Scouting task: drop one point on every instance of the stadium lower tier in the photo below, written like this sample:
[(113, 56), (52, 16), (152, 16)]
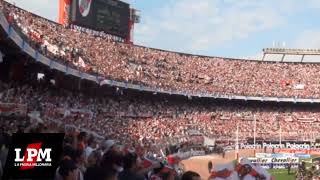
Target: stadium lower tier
[(156, 121), (163, 70)]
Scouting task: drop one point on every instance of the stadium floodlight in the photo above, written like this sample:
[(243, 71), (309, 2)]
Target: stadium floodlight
[(135, 15)]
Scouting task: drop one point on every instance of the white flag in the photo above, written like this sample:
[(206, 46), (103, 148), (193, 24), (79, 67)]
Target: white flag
[(81, 62), (299, 86)]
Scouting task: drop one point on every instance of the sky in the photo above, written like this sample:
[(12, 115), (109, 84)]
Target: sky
[(228, 28)]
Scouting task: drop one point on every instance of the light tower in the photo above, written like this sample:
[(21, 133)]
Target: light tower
[(134, 18), (64, 10)]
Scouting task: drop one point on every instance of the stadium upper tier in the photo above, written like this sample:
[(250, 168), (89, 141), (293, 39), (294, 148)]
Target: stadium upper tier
[(137, 67)]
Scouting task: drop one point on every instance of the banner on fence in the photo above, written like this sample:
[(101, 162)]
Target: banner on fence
[(275, 162), (285, 145)]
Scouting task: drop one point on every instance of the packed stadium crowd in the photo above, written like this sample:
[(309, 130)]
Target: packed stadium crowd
[(153, 123), (160, 69), (114, 137), (129, 148), (86, 157)]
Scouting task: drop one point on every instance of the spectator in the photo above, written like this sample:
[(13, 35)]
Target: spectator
[(67, 170), (112, 160), (91, 146), (82, 138), (98, 173), (131, 166), (110, 145), (190, 175), (94, 158)]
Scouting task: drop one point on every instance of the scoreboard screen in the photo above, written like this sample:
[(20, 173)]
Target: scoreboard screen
[(111, 16)]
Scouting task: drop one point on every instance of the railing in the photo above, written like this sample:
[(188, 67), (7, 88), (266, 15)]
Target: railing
[(26, 48)]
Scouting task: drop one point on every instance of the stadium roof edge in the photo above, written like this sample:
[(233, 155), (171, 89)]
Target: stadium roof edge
[(288, 51)]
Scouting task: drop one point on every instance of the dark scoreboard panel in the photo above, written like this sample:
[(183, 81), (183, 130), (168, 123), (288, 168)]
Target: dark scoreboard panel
[(111, 16)]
